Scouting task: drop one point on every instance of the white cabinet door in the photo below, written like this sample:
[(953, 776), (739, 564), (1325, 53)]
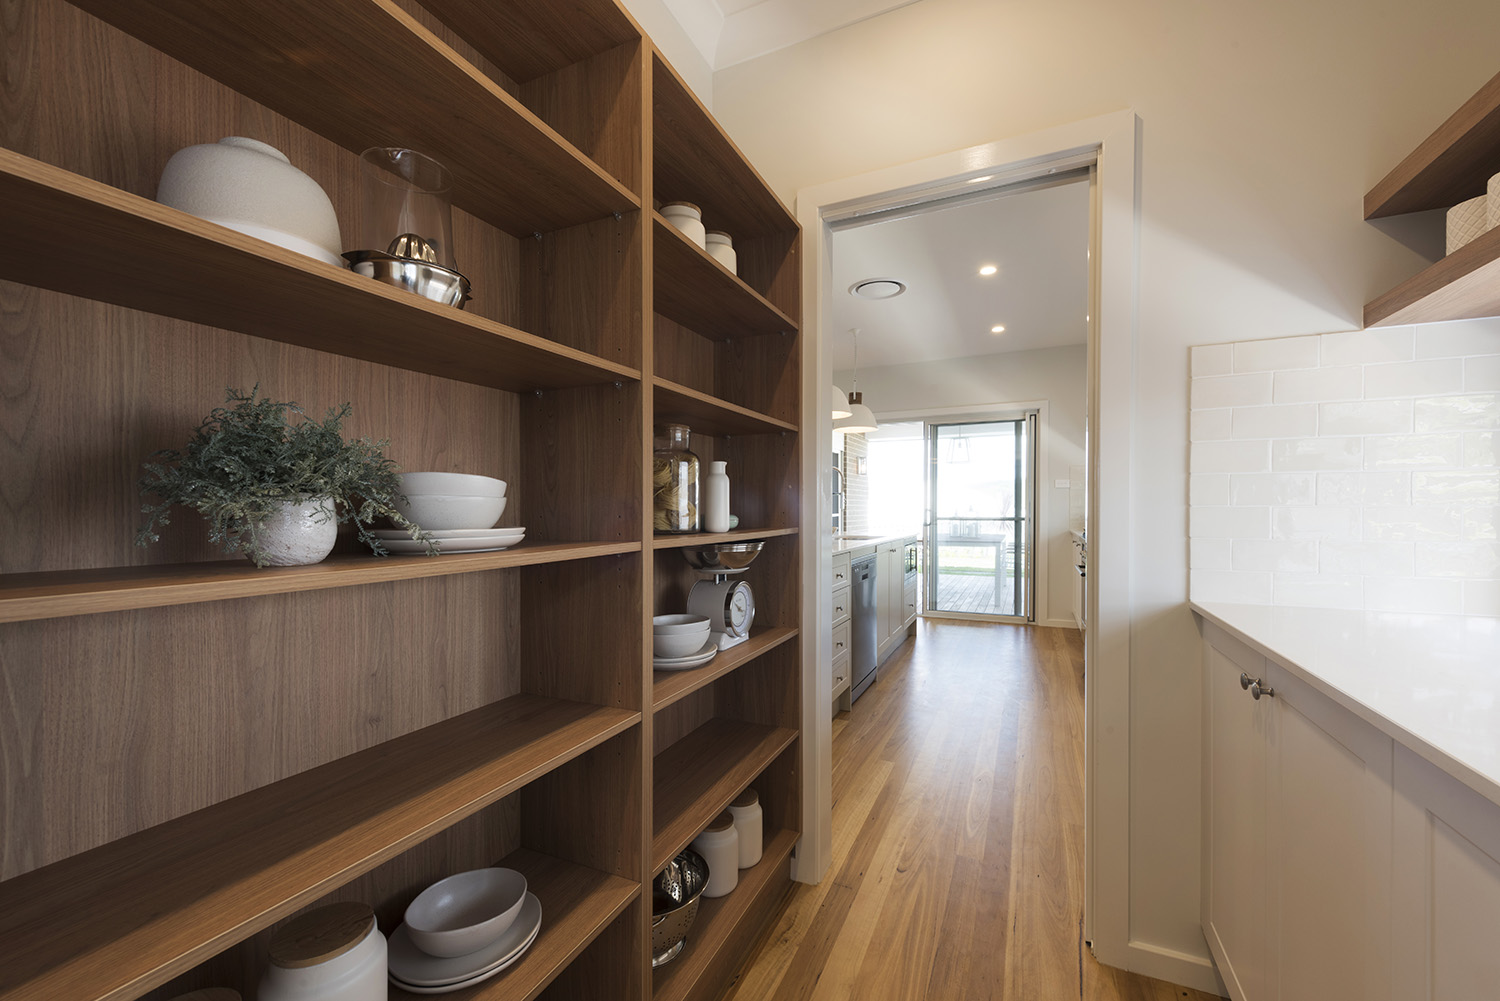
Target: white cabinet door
[(1328, 843), (886, 609), (1446, 901)]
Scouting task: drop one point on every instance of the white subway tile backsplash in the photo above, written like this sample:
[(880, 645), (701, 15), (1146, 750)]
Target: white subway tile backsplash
[(1481, 449), (1293, 421), (1448, 340), (1414, 451), (1210, 554), (1276, 555), (1357, 347), (1365, 417), (1319, 522), (1368, 559), (1429, 597), (1276, 353), (1413, 524), (1317, 454), (1482, 597), (1230, 457), (1318, 385), (1414, 378), (1230, 587), (1481, 488), (1364, 489), (1210, 425), (1212, 359), (1208, 489), (1318, 590), (1229, 523), (1272, 489), (1231, 391), (1480, 560), (1481, 522), (1482, 374), (1458, 413)]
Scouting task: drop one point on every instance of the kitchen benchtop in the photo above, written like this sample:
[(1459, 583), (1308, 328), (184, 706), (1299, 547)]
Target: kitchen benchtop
[(863, 545), (1430, 682)]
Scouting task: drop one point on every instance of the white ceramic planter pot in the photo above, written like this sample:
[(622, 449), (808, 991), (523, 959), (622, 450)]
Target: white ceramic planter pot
[(298, 534), (1467, 221)]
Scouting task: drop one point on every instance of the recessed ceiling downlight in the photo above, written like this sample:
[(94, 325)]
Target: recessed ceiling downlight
[(877, 288)]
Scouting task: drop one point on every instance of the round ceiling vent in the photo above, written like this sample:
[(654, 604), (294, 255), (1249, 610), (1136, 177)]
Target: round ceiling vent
[(877, 288)]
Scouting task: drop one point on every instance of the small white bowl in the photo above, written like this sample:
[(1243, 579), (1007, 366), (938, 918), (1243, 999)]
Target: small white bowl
[(452, 484), (466, 912), (682, 622), (666, 645), (446, 512)]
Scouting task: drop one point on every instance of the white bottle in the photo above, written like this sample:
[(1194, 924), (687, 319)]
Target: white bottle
[(719, 845), (716, 499), (747, 822)]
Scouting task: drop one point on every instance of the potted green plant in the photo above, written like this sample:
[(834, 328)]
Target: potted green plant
[(273, 489)]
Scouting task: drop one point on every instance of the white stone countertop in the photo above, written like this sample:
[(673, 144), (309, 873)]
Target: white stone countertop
[(853, 544), (1430, 682)]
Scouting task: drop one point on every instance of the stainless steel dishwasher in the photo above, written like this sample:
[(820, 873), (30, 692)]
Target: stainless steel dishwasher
[(862, 642)]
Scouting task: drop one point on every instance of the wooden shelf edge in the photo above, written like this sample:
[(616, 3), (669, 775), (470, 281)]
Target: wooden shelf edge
[(669, 686), (128, 916), (1465, 285), (718, 918), (708, 538), (60, 594), (734, 285), (711, 412), (1449, 166)]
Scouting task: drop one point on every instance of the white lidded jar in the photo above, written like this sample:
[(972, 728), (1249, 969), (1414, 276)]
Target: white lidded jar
[(719, 844), (721, 248), (687, 218), (716, 499), (748, 824), (334, 953)]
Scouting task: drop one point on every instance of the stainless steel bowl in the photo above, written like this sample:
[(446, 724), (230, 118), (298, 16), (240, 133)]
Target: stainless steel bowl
[(430, 281), (723, 557), (674, 905)]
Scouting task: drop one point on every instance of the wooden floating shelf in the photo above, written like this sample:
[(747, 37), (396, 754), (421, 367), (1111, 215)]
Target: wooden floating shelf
[(56, 594), (121, 919), (1450, 166), (330, 68), (722, 919), (699, 776), (669, 686), (1464, 285), (709, 415), (577, 904), (695, 161), (698, 292), (708, 538), (153, 258)]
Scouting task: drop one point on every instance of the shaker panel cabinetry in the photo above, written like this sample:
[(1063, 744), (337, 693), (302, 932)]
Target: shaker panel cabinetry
[(897, 605)]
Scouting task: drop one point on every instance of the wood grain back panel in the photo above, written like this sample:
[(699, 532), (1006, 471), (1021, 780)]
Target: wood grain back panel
[(581, 631), (596, 105), (579, 467), (581, 287)]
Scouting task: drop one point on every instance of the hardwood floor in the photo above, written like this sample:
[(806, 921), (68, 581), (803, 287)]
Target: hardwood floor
[(958, 836)]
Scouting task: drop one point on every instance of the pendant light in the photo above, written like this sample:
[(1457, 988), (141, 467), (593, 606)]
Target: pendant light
[(860, 420), (840, 405)]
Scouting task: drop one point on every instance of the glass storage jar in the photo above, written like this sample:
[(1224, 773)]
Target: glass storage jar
[(674, 483)]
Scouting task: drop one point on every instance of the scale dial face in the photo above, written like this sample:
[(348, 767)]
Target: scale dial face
[(739, 609)]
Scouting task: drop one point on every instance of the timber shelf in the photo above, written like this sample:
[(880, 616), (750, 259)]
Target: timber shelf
[(577, 904), (116, 921), (706, 414), (56, 594), (698, 292), (329, 67), (709, 538), (700, 775), (1464, 285), (669, 686), (724, 923), (156, 259)]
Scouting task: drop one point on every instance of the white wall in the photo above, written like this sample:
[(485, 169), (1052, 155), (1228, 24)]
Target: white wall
[(1056, 375), (657, 20), (1262, 127)]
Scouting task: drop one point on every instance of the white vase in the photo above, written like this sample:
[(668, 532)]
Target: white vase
[(299, 534), (716, 499)]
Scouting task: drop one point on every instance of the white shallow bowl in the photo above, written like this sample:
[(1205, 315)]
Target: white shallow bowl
[(452, 484), (466, 912), (668, 646), (682, 622), (448, 512)]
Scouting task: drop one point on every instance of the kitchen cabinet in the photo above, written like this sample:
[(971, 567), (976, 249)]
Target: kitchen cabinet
[(898, 601)]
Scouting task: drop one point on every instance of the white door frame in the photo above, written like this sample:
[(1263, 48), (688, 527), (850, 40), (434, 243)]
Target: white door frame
[(1110, 143)]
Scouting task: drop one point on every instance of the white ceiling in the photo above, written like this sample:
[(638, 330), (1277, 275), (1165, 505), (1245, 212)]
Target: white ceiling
[(1038, 239), (731, 31)]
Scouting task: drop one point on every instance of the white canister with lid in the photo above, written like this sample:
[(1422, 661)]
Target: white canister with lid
[(716, 498), (334, 953), (721, 248), (687, 218), (719, 844), (747, 822)]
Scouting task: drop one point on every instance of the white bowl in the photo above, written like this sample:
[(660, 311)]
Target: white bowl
[(445, 512), (452, 484), (667, 645), (466, 912), (680, 623)]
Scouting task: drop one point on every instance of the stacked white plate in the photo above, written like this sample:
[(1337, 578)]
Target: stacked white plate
[(455, 540), (692, 660), (416, 972)]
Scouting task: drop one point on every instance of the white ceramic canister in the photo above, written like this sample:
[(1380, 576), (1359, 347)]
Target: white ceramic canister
[(334, 953), (1492, 203), (721, 249), (716, 499), (687, 218), (1467, 221), (747, 822), (719, 845), (298, 534)]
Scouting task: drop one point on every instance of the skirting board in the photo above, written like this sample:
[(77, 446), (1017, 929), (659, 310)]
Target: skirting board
[(1183, 969)]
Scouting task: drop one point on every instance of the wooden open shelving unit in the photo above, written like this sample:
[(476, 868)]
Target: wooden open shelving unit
[(206, 748), (1450, 166)]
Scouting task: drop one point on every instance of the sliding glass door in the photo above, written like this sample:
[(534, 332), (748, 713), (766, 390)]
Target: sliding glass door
[(980, 533)]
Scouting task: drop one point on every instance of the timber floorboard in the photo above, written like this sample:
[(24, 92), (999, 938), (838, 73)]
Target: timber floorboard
[(957, 836)]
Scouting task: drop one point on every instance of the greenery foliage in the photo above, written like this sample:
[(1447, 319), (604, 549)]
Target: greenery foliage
[(246, 460)]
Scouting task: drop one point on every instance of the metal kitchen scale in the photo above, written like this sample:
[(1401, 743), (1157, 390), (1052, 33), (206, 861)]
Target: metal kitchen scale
[(721, 596)]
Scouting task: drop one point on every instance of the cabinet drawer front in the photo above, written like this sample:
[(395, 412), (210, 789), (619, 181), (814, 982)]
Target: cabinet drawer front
[(909, 601), (842, 603), (841, 569), (840, 671), (840, 640)]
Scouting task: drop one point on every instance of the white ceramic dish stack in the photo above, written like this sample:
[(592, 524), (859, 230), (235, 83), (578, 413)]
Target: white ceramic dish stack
[(458, 509), (680, 642), (463, 930)]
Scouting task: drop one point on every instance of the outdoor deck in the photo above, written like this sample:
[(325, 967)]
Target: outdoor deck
[(965, 592)]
